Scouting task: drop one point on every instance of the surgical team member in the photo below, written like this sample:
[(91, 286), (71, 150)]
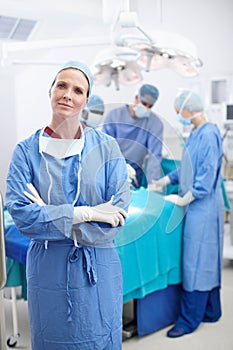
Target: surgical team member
[(67, 190), (139, 133), (93, 114), (200, 182)]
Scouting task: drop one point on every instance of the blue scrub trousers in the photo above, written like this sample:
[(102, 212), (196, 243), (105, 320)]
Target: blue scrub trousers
[(197, 307)]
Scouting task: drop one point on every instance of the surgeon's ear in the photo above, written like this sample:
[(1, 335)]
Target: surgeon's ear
[(136, 99)]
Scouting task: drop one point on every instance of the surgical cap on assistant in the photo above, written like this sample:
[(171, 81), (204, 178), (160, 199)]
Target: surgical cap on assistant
[(148, 93), (95, 104), (189, 100), (80, 66)]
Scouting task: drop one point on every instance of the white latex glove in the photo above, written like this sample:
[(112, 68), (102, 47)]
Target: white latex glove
[(34, 195), (131, 173), (180, 201), (158, 185), (105, 212)]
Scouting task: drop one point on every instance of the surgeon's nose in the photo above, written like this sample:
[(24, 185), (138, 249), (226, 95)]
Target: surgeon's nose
[(67, 95)]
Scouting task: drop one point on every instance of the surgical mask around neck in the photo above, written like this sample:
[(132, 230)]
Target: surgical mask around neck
[(141, 111), (60, 148), (94, 120)]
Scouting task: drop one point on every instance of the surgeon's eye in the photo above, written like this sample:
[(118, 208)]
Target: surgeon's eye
[(78, 91), (60, 85)]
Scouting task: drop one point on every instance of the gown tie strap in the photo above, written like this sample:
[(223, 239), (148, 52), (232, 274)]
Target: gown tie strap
[(89, 266)]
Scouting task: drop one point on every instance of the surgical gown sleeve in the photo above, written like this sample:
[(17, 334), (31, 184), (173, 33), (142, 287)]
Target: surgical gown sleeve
[(206, 165), (174, 176), (48, 222)]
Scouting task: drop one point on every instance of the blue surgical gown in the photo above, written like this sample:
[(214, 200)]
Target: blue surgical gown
[(200, 173), (74, 292), (137, 139)]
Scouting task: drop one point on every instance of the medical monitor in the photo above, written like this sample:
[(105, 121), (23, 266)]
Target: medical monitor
[(230, 112), (228, 122)]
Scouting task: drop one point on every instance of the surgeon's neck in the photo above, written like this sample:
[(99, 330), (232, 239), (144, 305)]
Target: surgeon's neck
[(199, 121), (131, 111), (66, 129)]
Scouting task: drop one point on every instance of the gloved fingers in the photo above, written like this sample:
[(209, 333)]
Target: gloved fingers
[(131, 171), (34, 195), (173, 198), (122, 213), (162, 182), (111, 200), (33, 190), (131, 174), (30, 196), (155, 187), (122, 219), (112, 210), (34, 199), (116, 220), (106, 208), (180, 201)]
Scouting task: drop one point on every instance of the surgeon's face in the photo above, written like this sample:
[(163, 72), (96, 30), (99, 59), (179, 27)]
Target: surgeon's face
[(184, 113), (143, 102), (69, 93)]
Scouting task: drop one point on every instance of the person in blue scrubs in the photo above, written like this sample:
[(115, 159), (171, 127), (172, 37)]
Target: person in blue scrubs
[(139, 133), (68, 191), (201, 196), (93, 114)]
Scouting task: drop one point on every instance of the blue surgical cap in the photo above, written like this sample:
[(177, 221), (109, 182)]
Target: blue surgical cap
[(95, 104), (189, 100), (148, 93), (82, 67)]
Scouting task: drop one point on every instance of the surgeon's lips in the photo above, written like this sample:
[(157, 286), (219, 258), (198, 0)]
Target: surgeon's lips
[(65, 105)]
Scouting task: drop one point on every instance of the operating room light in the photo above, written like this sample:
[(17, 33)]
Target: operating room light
[(118, 65), (165, 50), (124, 62)]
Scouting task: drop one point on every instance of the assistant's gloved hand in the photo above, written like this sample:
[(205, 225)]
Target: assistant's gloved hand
[(158, 185), (34, 195), (105, 212), (180, 201), (131, 174)]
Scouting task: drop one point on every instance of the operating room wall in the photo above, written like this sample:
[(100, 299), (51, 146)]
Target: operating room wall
[(8, 132), (25, 91)]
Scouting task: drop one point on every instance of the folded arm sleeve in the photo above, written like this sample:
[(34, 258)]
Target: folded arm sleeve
[(34, 221), (116, 185)]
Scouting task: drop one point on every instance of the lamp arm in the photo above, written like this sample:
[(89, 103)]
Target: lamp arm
[(146, 35)]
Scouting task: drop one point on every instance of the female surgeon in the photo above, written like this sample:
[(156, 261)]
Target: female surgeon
[(200, 182), (68, 191)]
